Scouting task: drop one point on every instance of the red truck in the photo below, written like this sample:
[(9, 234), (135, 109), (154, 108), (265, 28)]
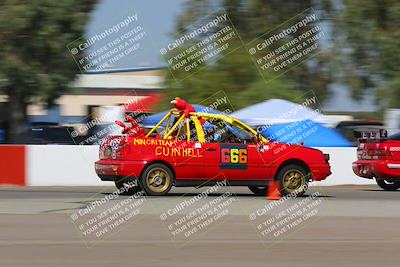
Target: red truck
[(199, 149), (379, 157)]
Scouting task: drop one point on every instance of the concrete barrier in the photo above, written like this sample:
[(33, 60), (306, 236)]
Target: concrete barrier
[(342, 172), (62, 165)]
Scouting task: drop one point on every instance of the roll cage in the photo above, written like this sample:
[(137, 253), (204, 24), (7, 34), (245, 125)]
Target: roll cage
[(181, 122)]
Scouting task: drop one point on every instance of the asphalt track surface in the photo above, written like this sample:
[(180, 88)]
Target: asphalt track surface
[(339, 226)]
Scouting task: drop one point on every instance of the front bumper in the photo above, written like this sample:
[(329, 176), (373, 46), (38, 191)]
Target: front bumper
[(377, 168), (112, 170)]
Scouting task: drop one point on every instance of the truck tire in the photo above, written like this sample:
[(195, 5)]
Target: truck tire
[(156, 180), (293, 179), (388, 185)]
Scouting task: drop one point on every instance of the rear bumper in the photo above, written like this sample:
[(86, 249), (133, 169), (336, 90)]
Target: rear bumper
[(319, 172), (377, 168), (112, 170)]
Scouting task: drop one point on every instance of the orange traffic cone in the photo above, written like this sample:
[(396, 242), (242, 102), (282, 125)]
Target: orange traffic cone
[(274, 191)]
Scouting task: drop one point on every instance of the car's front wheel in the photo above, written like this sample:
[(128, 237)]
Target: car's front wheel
[(293, 179), (388, 185), (156, 180)]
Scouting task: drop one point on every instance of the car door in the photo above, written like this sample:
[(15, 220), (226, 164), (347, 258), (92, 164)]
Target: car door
[(188, 160), (187, 156), (235, 161)]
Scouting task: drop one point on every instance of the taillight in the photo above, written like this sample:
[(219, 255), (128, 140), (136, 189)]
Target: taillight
[(377, 154), (114, 147), (105, 152), (120, 149), (359, 154), (382, 153), (104, 149), (121, 153)]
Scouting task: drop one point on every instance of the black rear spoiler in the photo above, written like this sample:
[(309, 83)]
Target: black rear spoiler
[(373, 134)]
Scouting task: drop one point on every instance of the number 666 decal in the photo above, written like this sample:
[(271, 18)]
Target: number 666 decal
[(233, 157)]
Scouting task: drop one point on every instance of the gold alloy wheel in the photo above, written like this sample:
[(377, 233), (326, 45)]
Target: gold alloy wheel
[(294, 180), (158, 180)]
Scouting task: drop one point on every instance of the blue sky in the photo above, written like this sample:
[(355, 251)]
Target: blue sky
[(157, 16)]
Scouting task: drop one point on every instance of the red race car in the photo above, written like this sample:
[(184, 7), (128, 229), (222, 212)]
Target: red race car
[(379, 157), (188, 148)]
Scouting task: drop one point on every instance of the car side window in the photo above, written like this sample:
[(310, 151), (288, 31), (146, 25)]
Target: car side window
[(193, 132), (181, 133), (218, 131), (214, 131)]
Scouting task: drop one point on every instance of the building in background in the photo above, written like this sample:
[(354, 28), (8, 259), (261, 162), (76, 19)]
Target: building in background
[(129, 87), (97, 96)]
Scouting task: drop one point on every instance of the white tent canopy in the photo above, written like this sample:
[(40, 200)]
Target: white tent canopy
[(276, 111)]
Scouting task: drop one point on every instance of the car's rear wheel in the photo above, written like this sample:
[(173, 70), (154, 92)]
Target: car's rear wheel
[(156, 180), (388, 185), (259, 190), (127, 186), (293, 179)]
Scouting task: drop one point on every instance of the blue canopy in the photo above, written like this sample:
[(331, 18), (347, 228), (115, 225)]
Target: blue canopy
[(311, 133), (155, 118)]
